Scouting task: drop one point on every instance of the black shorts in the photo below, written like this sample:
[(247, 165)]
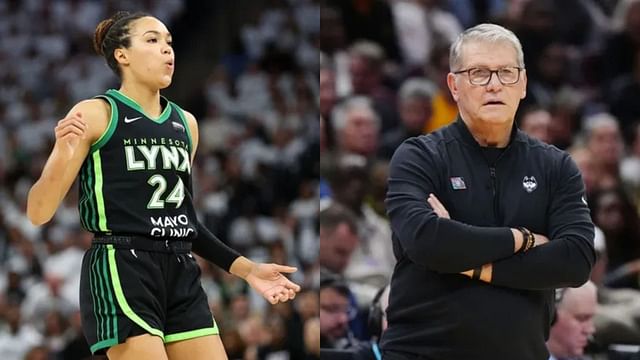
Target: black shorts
[(129, 289)]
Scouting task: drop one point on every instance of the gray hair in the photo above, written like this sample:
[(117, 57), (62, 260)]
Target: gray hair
[(369, 50), (341, 112), (484, 32), (597, 121), (336, 214), (416, 88)]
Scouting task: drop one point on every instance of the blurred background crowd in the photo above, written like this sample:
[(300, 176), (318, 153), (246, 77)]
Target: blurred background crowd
[(383, 68), (248, 71)]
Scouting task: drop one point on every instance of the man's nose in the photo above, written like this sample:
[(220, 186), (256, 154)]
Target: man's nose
[(343, 318), (494, 82), (589, 328)]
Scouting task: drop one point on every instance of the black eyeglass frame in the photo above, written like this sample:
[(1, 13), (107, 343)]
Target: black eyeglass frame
[(491, 72)]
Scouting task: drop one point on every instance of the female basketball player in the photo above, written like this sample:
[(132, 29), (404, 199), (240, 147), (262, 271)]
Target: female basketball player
[(140, 292)]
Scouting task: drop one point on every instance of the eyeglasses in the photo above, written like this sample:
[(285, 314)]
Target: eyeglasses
[(350, 311), (482, 76)]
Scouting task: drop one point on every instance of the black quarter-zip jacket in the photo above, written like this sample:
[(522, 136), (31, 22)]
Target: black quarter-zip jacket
[(435, 312)]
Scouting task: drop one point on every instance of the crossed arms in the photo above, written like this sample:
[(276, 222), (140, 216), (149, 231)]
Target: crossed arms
[(429, 238)]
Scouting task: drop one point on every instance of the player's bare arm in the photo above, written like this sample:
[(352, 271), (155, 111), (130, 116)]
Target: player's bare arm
[(74, 134)]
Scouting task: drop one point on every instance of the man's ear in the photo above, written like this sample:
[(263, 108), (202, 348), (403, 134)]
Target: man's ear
[(121, 56), (453, 87)]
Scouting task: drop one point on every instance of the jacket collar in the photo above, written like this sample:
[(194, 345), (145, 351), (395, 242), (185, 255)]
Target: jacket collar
[(463, 132)]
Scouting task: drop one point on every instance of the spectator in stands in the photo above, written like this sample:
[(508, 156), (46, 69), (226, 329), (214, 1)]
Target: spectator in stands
[(377, 324), (327, 93), (617, 318), (414, 105), (565, 115), (630, 166), (366, 60), (312, 338), (338, 237), (371, 20), (553, 69), (613, 212), (444, 108), (605, 143), (372, 260), (573, 326), (585, 162), (356, 125), (335, 312), (422, 25), (38, 353), (18, 337), (535, 122)]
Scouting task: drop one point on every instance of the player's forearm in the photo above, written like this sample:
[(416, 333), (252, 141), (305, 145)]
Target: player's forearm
[(47, 193), (212, 249)]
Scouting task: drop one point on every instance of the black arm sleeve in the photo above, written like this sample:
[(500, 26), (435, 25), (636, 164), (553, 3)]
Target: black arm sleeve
[(566, 261), (442, 245), (212, 249)]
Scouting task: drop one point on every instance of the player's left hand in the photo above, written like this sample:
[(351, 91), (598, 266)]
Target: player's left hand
[(268, 281)]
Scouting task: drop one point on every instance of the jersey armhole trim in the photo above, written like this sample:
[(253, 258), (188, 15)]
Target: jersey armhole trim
[(186, 125), (111, 126)]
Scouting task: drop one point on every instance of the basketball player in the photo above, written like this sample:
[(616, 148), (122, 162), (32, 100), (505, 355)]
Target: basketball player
[(140, 292)]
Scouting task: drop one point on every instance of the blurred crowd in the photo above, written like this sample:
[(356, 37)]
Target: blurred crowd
[(255, 176), (383, 68)]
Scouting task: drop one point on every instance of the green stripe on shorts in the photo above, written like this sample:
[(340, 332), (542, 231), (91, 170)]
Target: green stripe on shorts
[(122, 300), (193, 333), (103, 344), (95, 294), (111, 305), (104, 306)]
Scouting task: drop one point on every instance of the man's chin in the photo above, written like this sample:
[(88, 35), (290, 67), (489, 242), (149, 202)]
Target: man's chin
[(495, 118)]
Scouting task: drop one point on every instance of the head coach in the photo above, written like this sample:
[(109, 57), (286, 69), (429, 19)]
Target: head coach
[(486, 221)]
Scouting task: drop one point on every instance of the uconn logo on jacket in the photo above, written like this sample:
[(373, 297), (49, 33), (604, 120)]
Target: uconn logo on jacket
[(529, 183)]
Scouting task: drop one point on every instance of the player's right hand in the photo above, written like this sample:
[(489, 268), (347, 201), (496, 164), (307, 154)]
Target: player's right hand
[(69, 132)]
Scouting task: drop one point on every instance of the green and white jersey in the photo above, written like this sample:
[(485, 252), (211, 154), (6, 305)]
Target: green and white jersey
[(136, 179)]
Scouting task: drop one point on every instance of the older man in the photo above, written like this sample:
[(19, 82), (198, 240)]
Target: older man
[(356, 127), (574, 322), (487, 221)]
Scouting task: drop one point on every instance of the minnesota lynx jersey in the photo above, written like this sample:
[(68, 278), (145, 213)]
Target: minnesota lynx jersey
[(136, 179)]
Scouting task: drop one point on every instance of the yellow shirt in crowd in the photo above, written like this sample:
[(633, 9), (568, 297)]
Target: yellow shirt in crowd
[(444, 113)]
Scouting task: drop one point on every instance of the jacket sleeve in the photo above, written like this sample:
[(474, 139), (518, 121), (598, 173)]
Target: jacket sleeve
[(565, 261), (442, 245)]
